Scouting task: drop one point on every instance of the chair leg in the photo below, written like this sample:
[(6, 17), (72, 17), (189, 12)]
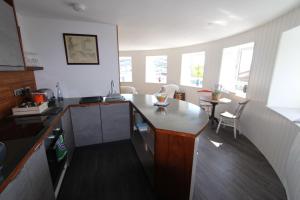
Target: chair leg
[(220, 122), (234, 128)]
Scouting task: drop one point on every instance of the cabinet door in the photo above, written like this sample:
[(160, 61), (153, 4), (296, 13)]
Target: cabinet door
[(115, 122), (39, 174), (18, 189), (68, 133), (86, 125), (33, 182)]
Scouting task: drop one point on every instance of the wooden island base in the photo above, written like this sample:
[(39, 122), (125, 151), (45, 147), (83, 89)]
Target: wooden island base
[(176, 130)]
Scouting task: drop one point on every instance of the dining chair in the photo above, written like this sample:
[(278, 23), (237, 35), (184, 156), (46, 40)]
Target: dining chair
[(231, 120), (128, 90), (203, 104), (170, 89)]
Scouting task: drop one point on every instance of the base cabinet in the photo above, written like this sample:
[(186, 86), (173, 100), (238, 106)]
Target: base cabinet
[(33, 181), (115, 120), (99, 123), (86, 122), (39, 174), (18, 189)]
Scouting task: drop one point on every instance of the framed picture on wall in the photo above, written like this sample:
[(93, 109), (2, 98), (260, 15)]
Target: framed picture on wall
[(81, 49)]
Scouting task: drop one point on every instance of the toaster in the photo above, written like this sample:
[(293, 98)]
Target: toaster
[(48, 94)]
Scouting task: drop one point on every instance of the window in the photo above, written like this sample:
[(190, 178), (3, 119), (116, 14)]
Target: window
[(192, 69), (284, 96), (235, 68), (156, 69), (125, 69)]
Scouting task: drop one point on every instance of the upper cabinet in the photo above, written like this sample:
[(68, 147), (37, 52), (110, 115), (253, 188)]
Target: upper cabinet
[(11, 56)]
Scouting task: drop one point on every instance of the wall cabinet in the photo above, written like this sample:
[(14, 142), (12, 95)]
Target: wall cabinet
[(33, 181), (86, 125), (67, 126), (115, 120)]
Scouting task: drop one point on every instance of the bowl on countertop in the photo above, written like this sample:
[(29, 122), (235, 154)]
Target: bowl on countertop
[(161, 98)]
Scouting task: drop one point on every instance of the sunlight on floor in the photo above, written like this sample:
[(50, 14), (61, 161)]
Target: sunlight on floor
[(217, 144)]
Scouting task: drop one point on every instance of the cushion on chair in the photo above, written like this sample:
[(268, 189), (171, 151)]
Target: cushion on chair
[(228, 115)]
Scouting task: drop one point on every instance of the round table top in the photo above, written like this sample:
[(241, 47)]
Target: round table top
[(210, 100)]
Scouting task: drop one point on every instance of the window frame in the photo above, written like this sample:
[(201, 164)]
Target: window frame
[(241, 47), (181, 68), (131, 69), (150, 82)]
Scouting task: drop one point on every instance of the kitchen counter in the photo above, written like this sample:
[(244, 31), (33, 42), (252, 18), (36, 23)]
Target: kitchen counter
[(21, 138), (179, 116), (21, 135)]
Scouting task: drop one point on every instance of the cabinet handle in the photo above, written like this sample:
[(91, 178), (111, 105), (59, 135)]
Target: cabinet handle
[(37, 147)]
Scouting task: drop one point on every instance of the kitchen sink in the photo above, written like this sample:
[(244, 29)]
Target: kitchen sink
[(94, 99)]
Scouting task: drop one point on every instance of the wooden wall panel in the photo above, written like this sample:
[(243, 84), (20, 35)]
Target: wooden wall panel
[(10, 81)]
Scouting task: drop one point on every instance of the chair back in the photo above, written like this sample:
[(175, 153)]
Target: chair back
[(128, 90), (240, 108), (170, 89)]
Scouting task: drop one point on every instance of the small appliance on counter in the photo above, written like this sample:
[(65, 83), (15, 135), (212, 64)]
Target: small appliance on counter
[(47, 94)]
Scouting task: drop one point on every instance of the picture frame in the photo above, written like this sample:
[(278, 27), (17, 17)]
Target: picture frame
[(81, 49)]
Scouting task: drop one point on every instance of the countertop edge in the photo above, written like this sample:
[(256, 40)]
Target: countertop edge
[(22, 162)]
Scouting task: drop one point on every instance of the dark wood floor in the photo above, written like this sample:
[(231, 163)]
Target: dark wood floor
[(234, 170), (108, 171)]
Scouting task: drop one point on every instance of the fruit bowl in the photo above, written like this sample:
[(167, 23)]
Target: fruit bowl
[(161, 98)]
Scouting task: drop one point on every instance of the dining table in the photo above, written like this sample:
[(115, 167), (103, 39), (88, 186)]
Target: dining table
[(214, 103)]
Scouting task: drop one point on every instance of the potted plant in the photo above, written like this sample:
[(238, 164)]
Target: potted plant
[(216, 93)]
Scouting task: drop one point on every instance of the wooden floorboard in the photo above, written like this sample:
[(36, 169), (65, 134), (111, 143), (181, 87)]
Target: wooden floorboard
[(108, 171), (227, 169)]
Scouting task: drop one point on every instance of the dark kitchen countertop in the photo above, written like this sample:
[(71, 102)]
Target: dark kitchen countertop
[(21, 139), (179, 116), (21, 134)]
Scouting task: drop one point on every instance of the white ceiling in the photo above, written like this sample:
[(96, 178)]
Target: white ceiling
[(157, 24)]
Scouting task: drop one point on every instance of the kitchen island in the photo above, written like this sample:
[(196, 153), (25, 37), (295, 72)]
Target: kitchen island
[(175, 128)]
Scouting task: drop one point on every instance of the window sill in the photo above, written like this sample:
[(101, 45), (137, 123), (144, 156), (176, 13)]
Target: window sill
[(154, 83), (292, 114), (233, 94), (198, 87)]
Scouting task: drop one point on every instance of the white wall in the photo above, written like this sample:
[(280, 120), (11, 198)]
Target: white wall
[(44, 36), (270, 132)]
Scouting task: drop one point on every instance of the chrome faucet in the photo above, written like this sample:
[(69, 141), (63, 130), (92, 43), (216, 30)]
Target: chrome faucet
[(112, 85)]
